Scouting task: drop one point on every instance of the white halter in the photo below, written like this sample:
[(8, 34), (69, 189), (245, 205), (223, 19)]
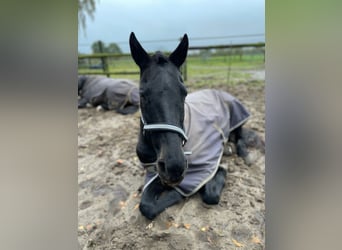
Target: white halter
[(152, 167), (164, 127)]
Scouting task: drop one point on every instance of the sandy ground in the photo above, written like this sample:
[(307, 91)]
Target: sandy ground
[(110, 179)]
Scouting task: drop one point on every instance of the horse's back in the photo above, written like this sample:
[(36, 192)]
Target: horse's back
[(219, 107), (94, 86), (114, 91), (210, 115), (122, 91)]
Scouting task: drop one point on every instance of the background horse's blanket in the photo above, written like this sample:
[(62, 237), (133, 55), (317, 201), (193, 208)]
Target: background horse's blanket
[(112, 94), (210, 115)]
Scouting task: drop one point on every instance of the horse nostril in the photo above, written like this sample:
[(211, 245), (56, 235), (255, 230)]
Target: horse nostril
[(171, 174)]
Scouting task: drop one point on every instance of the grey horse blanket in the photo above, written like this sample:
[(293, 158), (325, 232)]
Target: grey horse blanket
[(210, 115), (111, 94)]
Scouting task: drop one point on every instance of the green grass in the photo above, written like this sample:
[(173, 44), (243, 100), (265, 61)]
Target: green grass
[(216, 71), (245, 61), (201, 71)]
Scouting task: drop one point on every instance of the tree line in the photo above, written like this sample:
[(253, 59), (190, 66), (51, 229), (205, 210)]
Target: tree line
[(101, 47)]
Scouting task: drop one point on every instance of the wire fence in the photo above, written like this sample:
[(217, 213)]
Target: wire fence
[(196, 41)]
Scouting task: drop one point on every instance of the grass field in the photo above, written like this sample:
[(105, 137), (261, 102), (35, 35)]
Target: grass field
[(203, 70)]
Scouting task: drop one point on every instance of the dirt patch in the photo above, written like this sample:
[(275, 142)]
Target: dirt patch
[(110, 179)]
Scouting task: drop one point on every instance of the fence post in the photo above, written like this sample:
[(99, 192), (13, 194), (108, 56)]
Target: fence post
[(229, 62), (103, 60)]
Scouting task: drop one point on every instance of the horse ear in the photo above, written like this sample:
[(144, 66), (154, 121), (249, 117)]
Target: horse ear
[(138, 53), (179, 54)]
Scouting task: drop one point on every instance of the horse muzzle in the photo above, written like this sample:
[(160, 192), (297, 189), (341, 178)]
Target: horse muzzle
[(170, 183), (171, 178)]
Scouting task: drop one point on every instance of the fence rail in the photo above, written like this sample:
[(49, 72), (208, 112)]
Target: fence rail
[(231, 46)]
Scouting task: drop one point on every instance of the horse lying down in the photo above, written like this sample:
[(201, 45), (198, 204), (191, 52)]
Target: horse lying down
[(121, 95), (182, 137)]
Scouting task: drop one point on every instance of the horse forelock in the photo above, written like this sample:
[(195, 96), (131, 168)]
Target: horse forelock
[(159, 58)]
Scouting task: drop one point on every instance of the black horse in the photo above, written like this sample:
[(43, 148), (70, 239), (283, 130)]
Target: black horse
[(165, 132)]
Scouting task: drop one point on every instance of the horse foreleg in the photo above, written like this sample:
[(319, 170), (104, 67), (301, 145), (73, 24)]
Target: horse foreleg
[(156, 198), (128, 110), (242, 148), (211, 191)]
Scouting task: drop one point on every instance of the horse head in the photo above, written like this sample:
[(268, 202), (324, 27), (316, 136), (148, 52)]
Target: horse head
[(81, 80), (162, 96)]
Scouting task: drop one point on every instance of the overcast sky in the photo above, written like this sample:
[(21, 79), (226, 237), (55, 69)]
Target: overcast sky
[(151, 20)]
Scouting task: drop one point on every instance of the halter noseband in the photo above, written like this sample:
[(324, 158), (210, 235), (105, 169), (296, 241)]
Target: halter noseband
[(152, 167), (164, 127)]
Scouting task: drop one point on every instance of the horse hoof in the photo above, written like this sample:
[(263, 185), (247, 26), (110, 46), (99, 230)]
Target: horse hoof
[(99, 108), (211, 200), (252, 157), (229, 149), (147, 211)]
